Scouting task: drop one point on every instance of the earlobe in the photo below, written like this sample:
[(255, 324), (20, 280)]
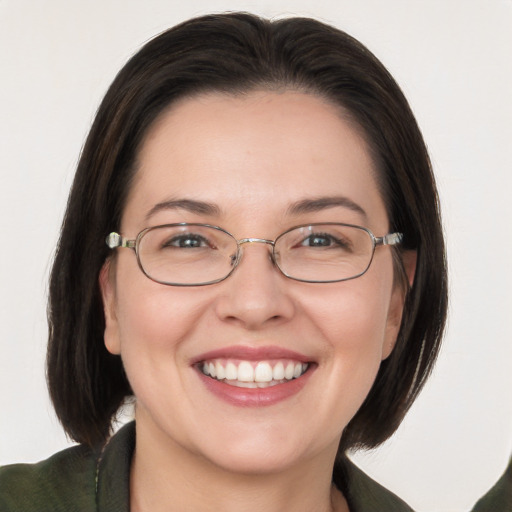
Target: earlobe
[(107, 287)]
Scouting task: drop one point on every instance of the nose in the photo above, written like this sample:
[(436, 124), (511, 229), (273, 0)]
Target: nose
[(256, 294)]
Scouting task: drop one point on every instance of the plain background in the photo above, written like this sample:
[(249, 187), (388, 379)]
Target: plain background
[(453, 58)]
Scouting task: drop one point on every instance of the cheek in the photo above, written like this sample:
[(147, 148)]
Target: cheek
[(356, 335), (354, 317), (150, 314), (155, 326), (153, 320), (350, 321), (157, 319)]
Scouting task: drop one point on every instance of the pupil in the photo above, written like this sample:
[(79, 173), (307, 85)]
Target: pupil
[(319, 241), (189, 242)]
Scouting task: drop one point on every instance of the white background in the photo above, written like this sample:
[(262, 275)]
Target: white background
[(453, 59)]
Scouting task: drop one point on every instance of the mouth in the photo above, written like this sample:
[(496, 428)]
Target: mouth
[(253, 374), (245, 376)]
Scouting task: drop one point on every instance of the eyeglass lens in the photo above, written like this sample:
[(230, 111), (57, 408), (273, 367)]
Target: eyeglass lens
[(197, 254)]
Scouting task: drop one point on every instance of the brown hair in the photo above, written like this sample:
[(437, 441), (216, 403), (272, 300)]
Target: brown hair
[(236, 53)]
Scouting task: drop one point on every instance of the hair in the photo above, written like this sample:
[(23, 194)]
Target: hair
[(237, 53)]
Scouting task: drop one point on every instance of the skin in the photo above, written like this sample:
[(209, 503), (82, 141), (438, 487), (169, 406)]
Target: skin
[(252, 156)]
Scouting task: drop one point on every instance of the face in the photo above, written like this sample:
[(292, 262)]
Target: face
[(243, 163)]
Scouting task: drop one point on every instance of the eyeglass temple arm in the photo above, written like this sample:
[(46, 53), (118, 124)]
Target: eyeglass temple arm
[(114, 240), (391, 239)]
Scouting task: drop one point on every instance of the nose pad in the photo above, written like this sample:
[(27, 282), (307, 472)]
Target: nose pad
[(235, 258)]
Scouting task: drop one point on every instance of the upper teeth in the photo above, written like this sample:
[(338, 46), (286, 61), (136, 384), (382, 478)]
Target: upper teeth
[(252, 371)]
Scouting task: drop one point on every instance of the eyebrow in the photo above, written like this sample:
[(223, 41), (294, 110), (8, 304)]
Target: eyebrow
[(190, 205), (323, 203), (297, 208)]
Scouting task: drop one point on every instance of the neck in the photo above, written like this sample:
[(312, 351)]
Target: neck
[(166, 474)]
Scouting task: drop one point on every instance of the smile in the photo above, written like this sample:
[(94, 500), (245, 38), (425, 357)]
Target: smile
[(253, 374)]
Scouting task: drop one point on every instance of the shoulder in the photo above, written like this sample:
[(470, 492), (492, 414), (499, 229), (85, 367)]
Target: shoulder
[(500, 496), (363, 493), (64, 482), (78, 479)]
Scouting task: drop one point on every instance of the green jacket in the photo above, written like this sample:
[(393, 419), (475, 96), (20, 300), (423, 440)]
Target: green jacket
[(499, 498), (79, 479)]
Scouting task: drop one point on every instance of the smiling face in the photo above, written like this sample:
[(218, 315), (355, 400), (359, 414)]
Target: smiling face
[(255, 165)]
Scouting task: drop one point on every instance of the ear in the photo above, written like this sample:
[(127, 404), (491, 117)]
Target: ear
[(410, 259), (108, 294), (396, 305)]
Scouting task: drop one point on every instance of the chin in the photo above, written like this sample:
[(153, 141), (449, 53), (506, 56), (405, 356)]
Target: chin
[(258, 461), (257, 454)]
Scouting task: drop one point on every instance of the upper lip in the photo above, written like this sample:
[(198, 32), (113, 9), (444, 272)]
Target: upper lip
[(248, 353)]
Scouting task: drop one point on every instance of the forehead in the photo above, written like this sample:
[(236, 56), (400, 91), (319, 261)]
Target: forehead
[(253, 151)]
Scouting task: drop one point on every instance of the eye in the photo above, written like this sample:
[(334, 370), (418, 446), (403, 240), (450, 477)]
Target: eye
[(187, 241), (324, 240), (317, 241)]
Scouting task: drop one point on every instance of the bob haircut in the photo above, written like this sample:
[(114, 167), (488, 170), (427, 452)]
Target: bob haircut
[(237, 53)]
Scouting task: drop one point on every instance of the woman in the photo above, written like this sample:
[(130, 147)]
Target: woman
[(272, 289)]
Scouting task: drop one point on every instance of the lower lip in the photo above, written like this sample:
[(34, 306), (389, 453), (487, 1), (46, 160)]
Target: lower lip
[(255, 397)]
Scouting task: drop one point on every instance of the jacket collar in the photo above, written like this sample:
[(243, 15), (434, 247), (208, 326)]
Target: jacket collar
[(113, 471)]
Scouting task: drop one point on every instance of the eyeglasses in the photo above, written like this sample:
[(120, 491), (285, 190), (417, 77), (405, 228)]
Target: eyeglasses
[(189, 254)]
